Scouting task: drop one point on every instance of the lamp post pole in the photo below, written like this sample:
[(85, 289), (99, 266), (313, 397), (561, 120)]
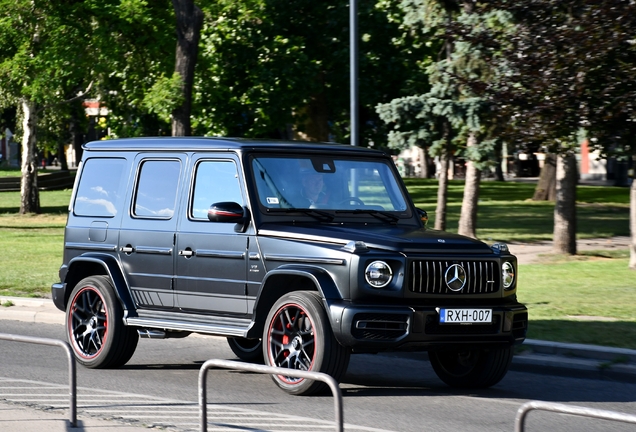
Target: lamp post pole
[(353, 67)]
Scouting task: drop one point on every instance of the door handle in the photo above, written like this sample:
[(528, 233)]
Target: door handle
[(186, 253), (127, 249)]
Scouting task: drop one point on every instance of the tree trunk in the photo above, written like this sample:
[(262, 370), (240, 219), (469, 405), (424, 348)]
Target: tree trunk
[(425, 171), (442, 193), (468, 216), (189, 23), (29, 195), (499, 175), (565, 206), (632, 225), (546, 187), (61, 157), (315, 120)]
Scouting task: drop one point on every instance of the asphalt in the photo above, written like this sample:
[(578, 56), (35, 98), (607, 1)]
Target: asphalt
[(552, 358)]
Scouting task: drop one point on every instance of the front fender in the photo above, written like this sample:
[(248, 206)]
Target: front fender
[(288, 278)]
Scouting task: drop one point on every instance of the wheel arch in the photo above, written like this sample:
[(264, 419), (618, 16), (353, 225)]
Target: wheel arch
[(286, 279), (98, 264)]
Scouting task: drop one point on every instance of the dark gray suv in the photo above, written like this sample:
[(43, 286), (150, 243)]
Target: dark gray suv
[(299, 253)]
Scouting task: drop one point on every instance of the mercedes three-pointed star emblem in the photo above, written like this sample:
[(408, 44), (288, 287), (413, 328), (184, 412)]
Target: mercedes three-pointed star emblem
[(455, 277)]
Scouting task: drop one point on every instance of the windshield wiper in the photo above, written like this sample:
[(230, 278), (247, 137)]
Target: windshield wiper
[(382, 215), (322, 216)]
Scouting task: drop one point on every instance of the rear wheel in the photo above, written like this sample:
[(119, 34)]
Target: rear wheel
[(298, 336), (95, 327), (471, 368), (249, 350)]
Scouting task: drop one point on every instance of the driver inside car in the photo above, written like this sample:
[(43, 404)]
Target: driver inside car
[(313, 189)]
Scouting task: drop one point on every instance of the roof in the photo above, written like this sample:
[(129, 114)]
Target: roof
[(217, 143)]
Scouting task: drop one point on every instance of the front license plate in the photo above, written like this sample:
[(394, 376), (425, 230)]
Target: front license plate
[(465, 316)]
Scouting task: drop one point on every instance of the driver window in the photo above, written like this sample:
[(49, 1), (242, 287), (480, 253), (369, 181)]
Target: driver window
[(215, 181)]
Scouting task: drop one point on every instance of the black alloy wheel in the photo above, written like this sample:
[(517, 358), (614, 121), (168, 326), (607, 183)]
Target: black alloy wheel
[(94, 325), (298, 336)]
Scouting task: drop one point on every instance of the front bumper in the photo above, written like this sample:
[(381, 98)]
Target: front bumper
[(375, 328), (57, 294)]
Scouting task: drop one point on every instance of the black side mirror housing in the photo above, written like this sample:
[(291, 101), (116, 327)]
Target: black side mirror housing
[(230, 212), (423, 216)]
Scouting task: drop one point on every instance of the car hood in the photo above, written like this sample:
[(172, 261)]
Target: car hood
[(394, 238)]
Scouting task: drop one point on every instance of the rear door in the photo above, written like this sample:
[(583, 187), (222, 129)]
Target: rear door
[(211, 265), (146, 241)]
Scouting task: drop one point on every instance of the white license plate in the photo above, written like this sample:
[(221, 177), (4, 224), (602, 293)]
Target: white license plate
[(465, 316)]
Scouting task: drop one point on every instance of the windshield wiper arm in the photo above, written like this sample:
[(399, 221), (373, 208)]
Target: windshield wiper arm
[(316, 214), (382, 215)]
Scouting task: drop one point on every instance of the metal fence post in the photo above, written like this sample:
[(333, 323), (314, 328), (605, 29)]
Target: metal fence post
[(228, 364), (72, 377), (522, 413)]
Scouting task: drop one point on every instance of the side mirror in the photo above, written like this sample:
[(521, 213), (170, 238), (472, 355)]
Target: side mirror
[(230, 212), (423, 216)]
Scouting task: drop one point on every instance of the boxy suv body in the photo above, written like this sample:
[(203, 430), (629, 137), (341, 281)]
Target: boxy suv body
[(300, 254)]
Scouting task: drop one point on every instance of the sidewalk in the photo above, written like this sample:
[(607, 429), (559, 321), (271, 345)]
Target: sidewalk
[(17, 418)]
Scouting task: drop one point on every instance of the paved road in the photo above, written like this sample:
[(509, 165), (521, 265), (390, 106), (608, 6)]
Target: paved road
[(381, 392)]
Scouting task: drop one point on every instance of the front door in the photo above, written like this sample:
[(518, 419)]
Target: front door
[(212, 258)]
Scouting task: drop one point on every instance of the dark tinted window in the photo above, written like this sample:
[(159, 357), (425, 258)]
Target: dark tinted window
[(156, 194), (100, 188), (215, 181)]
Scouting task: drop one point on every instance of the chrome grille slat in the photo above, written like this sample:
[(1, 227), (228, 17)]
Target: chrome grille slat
[(427, 277)]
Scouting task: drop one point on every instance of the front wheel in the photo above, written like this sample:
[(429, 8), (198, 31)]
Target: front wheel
[(95, 327), (471, 368), (297, 335)]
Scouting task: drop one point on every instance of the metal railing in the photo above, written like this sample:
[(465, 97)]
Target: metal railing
[(229, 364), (72, 376), (522, 413)]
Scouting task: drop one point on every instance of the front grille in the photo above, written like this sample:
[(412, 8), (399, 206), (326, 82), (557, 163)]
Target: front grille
[(433, 327), (427, 277), (379, 326)]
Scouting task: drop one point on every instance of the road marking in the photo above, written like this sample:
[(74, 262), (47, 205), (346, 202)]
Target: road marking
[(149, 411)]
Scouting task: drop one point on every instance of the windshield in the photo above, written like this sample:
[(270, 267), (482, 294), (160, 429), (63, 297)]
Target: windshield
[(341, 185)]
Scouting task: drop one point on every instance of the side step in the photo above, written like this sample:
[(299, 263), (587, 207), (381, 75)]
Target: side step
[(218, 326)]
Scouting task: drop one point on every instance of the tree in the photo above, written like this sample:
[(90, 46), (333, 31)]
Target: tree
[(278, 68), (189, 23), (449, 118), (566, 64), (44, 51)]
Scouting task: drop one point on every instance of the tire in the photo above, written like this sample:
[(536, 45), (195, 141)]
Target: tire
[(471, 368), (95, 327), (297, 335), (249, 350)]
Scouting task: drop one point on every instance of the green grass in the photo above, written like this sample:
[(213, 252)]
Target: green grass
[(507, 213), (588, 299), (567, 297)]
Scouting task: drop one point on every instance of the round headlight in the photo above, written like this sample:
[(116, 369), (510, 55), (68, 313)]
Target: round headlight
[(378, 274), (507, 274)]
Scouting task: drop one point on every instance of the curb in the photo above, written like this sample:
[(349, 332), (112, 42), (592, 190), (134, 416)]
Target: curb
[(553, 358)]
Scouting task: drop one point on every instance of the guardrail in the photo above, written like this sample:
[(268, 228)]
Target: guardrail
[(522, 413), (72, 376), (229, 364)]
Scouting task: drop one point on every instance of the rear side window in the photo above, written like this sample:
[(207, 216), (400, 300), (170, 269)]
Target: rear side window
[(99, 193), (156, 194)]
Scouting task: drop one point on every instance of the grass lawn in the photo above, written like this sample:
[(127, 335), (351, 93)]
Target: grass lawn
[(584, 299)]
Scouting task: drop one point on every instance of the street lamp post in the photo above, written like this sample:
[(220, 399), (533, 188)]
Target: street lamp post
[(353, 62)]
